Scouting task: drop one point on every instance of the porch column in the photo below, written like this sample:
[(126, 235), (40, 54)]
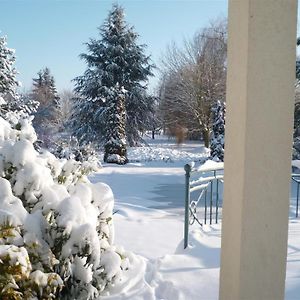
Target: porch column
[(260, 101)]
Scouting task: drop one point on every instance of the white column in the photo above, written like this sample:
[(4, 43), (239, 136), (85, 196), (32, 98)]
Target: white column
[(260, 98)]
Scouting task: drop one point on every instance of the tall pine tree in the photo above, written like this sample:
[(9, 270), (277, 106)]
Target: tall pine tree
[(114, 62)]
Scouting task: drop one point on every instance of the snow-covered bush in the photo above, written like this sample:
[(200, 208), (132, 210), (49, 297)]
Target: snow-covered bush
[(56, 233), (86, 154)]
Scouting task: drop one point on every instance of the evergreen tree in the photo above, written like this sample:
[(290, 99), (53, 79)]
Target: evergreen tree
[(11, 103), (298, 63), (45, 93), (296, 140), (296, 134), (44, 89), (114, 59), (8, 81), (218, 131)]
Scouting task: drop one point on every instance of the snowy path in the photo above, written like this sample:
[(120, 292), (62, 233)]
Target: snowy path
[(149, 205), (149, 222)]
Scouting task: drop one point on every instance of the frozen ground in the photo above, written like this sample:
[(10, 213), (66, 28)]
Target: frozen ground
[(149, 222)]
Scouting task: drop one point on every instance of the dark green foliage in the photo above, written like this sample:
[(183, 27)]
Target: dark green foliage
[(297, 119), (296, 134), (218, 131)]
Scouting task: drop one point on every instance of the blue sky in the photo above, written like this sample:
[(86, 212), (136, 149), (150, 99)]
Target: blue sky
[(52, 33)]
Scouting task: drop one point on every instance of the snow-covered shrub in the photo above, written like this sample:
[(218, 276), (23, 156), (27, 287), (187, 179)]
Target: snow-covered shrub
[(18, 281), (56, 233), (218, 131), (71, 149)]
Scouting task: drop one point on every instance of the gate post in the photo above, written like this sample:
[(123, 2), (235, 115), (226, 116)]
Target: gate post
[(187, 169)]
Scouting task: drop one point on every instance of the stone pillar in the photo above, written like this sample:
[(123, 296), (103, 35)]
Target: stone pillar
[(260, 101)]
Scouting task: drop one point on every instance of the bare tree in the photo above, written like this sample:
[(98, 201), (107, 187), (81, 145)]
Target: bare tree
[(194, 77)]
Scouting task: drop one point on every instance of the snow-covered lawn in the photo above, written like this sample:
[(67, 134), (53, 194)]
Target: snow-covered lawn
[(149, 208)]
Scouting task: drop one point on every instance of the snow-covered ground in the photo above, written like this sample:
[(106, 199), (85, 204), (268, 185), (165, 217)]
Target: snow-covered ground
[(149, 208)]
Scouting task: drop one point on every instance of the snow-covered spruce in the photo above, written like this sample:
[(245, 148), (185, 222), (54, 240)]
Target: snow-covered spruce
[(114, 59), (218, 131), (56, 234)]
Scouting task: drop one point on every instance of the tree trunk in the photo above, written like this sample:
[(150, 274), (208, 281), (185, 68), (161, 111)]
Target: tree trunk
[(206, 137), (115, 146)]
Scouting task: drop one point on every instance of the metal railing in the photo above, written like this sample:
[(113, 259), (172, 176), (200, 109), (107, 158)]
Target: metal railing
[(200, 190), (200, 203)]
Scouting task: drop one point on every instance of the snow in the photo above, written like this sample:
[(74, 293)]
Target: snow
[(164, 149), (17, 256), (2, 101), (211, 165), (48, 204), (111, 262), (43, 280), (148, 220), (296, 163)]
